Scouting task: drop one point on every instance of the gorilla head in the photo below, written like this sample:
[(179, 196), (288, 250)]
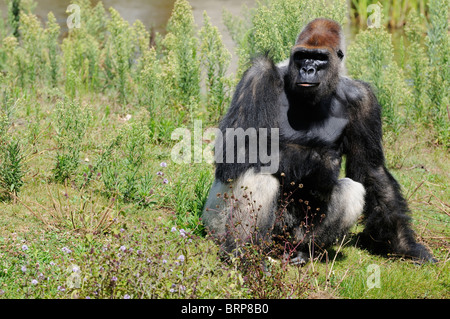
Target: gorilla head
[(315, 61)]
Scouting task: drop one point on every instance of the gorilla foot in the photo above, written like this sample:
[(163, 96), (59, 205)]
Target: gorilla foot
[(414, 251), (420, 254)]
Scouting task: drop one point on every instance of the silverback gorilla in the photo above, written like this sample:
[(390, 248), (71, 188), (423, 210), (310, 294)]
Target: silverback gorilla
[(321, 116)]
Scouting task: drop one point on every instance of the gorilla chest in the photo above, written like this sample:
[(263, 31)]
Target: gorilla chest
[(309, 125)]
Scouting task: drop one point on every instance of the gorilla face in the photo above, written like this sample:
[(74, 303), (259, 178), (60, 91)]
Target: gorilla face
[(313, 73), (312, 66)]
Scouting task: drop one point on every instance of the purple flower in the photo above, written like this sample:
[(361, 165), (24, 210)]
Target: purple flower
[(159, 173), (34, 282), (182, 233), (165, 181), (181, 258), (24, 247), (114, 278), (163, 164), (127, 296), (123, 248), (173, 229), (24, 269), (66, 250)]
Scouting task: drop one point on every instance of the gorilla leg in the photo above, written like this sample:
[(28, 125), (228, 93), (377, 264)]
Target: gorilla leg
[(242, 211), (345, 206)]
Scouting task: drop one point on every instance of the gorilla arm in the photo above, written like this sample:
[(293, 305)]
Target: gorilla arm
[(242, 201), (255, 105), (387, 220)]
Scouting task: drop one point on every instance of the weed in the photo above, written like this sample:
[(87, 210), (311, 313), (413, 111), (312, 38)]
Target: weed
[(71, 122)]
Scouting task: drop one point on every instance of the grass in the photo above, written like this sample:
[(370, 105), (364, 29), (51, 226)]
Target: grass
[(93, 206)]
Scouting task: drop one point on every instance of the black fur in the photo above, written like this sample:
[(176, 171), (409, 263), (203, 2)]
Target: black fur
[(318, 126)]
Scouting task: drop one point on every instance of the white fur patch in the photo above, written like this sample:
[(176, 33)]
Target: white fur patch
[(283, 63), (349, 196), (252, 199)]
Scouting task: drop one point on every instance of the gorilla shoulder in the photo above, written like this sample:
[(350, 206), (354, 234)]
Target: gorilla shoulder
[(358, 94), (264, 71)]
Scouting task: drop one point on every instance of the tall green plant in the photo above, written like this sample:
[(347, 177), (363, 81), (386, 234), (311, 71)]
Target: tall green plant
[(371, 58), (215, 61), (11, 168), (181, 44), (417, 68), (120, 51), (52, 45), (83, 50), (438, 51), (71, 122)]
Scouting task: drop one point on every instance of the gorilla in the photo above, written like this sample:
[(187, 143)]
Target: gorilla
[(317, 116)]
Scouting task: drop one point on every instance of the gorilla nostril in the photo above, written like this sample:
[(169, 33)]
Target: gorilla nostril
[(311, 71)]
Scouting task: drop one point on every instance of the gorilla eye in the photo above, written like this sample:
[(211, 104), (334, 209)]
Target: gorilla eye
[(321, 57), (340, 54), (318, 56)]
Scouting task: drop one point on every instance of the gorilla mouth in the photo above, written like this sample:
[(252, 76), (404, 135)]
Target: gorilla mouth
[(307, 84)]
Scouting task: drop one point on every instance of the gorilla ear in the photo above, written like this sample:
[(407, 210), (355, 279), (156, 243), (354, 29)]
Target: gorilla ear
[(340, 54)]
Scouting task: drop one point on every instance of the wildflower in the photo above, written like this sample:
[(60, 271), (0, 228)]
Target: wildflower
[(24, 247), (165, 181), (59, 288), (181, 258), (52, 263), (164, 261), (159, 173), (75, 268), (173, 229), (24, 269), (163, 164), (123, 248), (66, 250), (34, 282), (127, 296), (182, 233), (114, 278), (172, 290)]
